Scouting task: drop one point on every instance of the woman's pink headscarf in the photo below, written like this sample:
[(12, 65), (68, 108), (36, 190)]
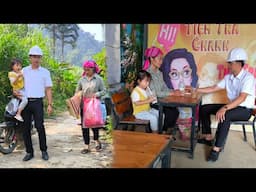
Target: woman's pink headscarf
[(151, 52), (91, 64)]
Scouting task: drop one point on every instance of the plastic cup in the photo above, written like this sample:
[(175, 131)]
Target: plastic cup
[(194, 93)]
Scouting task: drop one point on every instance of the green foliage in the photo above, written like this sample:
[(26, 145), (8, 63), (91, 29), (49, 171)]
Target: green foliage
[(100, 59), (131, 52), (109, 128), (65, 78), (5, 90)]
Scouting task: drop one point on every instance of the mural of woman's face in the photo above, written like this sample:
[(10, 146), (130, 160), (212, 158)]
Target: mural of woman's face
[(180, 70), (157, 61)]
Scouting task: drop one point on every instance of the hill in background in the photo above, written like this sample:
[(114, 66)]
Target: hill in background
[(86, 47)]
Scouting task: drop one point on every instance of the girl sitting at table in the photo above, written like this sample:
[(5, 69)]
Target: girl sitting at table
[(142, 97)]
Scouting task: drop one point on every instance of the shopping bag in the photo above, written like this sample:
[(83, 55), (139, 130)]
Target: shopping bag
[(92, 113), (12, 106), (104, 112), (73, 105), (184, 128)]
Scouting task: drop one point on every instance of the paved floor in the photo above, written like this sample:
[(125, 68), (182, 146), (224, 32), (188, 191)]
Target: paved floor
[(237, 154)]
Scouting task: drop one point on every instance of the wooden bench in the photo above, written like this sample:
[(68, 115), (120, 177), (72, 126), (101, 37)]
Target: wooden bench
[(122, 110)]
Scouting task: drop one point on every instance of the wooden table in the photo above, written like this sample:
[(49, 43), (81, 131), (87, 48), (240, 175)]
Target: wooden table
[(180, 101), (140, 150)]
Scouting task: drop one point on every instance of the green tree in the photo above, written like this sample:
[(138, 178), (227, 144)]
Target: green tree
[(53, 30), (65, 33), (68, 34), (100, 59)]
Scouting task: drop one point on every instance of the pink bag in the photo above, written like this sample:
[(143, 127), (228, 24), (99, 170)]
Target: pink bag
[(92, 114)]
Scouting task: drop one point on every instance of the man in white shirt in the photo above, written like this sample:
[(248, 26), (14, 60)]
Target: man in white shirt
[(240, 88), (37, 83)]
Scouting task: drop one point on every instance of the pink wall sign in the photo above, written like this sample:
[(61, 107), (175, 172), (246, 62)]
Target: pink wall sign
[(167, 35)]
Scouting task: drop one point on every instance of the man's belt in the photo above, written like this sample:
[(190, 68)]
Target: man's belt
[(34, 98)]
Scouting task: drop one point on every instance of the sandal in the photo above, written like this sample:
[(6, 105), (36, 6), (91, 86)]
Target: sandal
[(98, 147), (214, 155), (84, 151)]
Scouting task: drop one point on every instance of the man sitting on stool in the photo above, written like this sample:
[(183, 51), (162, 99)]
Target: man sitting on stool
[(240, 88)]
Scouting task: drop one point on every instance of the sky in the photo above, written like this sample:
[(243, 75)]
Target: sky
[(93, 29)]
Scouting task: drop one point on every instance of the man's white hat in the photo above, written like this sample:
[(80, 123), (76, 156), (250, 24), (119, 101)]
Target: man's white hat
[(237, 54), (35, 51)]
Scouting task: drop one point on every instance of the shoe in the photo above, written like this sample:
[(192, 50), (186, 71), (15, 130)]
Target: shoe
[(206, 142), (98, 147), (84, 151), (214, 155), (28, 156), (45, 155), (19, 118), (173, 138)]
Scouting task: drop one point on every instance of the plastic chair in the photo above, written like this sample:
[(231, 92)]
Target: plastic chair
[(249, 122), (243, 123)]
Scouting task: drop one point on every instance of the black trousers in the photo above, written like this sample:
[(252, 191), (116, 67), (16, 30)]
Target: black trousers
[(236, 114), (171, 115), (86, 135), (34, 108), (86, 132)]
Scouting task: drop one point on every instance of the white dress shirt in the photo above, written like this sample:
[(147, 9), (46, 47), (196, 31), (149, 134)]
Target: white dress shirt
[(244, 82), (35, 81)]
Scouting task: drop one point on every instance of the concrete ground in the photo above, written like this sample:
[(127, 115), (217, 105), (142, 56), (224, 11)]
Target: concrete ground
[(64, 141), (237, 154)]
